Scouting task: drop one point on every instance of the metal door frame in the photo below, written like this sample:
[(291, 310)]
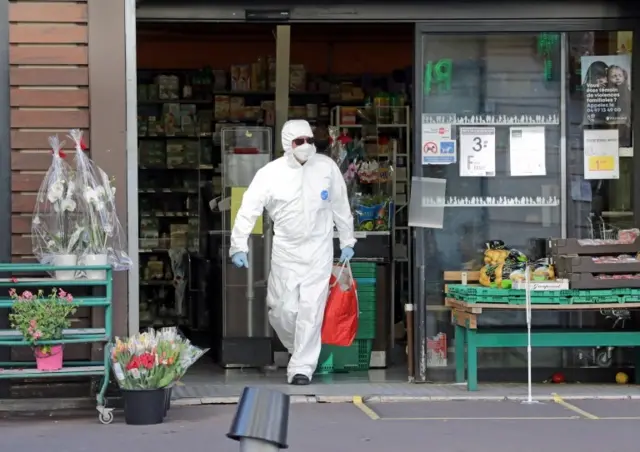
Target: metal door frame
[(5, 169), (495, 26)]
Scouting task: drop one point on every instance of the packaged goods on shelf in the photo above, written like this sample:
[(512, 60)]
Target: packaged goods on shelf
[(372, 213)]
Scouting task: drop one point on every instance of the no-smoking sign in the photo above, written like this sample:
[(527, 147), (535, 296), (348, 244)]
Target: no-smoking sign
[(430, 147)]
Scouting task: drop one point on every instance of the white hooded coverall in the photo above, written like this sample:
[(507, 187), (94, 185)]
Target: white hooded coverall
[(303, 201)]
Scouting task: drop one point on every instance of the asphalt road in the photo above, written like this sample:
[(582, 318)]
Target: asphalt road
[(404, 427)]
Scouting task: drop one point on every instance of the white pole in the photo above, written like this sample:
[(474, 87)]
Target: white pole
[(527, 298), (528, 308)]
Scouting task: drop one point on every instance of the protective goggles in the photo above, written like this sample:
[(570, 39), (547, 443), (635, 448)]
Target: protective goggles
[(302, 140)]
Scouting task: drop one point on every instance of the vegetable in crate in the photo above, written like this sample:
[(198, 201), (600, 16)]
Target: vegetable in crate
[(495, 245), (495, 257), (495, 252), (502, 275), (542, 271), (515, 257)]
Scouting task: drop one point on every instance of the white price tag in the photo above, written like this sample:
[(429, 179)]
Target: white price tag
[(477, 151), (360, 234)]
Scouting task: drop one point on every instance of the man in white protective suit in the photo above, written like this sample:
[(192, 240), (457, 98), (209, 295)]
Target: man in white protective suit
[(304, 194)]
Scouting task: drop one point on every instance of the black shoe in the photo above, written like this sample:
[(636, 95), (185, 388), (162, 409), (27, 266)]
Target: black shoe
[(300, 380)]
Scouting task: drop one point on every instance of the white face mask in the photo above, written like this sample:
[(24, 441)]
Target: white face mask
[(304, 152)]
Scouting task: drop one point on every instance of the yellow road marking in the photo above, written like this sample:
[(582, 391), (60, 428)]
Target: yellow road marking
[(568, 418), (575, 409), (359, 403)]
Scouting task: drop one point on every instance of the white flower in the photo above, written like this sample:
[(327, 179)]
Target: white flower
[(51, 244), (36, 220), (70, 189), (100, 206), (56, 190), (90, 195), (68, 205), (100, 191)]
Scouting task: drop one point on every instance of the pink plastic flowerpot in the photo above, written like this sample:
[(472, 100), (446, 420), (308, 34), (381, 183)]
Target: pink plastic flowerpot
[(51, 361)]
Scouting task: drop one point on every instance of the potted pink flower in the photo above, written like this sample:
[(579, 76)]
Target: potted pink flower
[(41, 321)]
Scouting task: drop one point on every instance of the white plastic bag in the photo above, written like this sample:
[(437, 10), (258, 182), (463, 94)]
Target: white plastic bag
[(57, 222), (103, 234)]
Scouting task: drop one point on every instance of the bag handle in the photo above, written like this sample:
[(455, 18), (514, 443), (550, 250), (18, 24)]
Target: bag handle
[(342, 267), (348, 266)]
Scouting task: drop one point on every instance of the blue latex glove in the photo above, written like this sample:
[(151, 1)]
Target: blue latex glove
[(347, 254), (240, 260)]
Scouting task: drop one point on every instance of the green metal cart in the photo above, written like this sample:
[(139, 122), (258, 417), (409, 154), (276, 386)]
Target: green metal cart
[(13, 338)]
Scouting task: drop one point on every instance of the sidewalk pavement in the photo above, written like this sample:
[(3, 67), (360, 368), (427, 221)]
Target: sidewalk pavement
[(463, 426)]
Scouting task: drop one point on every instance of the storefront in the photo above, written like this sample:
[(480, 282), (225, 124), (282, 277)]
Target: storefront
[(515, 72), (532, 78)]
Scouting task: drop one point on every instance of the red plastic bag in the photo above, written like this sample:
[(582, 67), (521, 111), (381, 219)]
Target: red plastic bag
[(340, 323)]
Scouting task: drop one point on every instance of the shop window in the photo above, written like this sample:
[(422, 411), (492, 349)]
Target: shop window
[(497, 97), (599, 110)]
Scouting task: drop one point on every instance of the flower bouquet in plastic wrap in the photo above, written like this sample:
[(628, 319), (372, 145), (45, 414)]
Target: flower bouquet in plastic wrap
[(104, 240), (154, 359), (57, 224), (346, 152), (146, 367)]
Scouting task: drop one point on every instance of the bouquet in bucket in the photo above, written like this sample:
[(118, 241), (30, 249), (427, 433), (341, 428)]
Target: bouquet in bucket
[(152, 360), (42, 319), (57, 224), (103, 237)]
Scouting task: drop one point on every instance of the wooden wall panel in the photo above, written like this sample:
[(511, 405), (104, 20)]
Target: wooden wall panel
[(49, 79)]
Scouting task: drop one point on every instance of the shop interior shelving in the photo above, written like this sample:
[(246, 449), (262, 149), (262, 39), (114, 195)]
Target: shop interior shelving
[(181, 115), (385, 132)]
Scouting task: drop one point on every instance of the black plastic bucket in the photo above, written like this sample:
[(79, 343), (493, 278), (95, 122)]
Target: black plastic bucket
[(167, 399), (144, 406)]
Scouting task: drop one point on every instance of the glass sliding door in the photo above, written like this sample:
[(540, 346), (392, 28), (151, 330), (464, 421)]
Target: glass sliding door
[(490, 125), (600, 187)]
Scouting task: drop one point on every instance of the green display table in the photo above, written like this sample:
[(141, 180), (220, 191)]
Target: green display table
[(468, 338)]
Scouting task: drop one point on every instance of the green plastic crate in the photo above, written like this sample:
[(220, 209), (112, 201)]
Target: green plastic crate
[(518, 300), (475, 294), (334, 359), (366, 305), (364, 269), (367, 289), (358, 356), (366, 327)]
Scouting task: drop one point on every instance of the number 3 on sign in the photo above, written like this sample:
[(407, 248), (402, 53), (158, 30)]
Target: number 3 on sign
[(477, 144)]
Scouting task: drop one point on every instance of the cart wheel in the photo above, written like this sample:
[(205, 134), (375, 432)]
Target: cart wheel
[(106, 418), (603, 359)]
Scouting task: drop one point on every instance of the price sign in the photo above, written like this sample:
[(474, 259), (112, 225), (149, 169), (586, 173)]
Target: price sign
[(603, 163), (477, 151), (601, 155)]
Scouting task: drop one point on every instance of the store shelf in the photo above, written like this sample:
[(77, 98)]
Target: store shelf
[(364, 234), (170, 137), (177, 168), (169, 214), (175, 101), (156, 283), (168, 190)]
